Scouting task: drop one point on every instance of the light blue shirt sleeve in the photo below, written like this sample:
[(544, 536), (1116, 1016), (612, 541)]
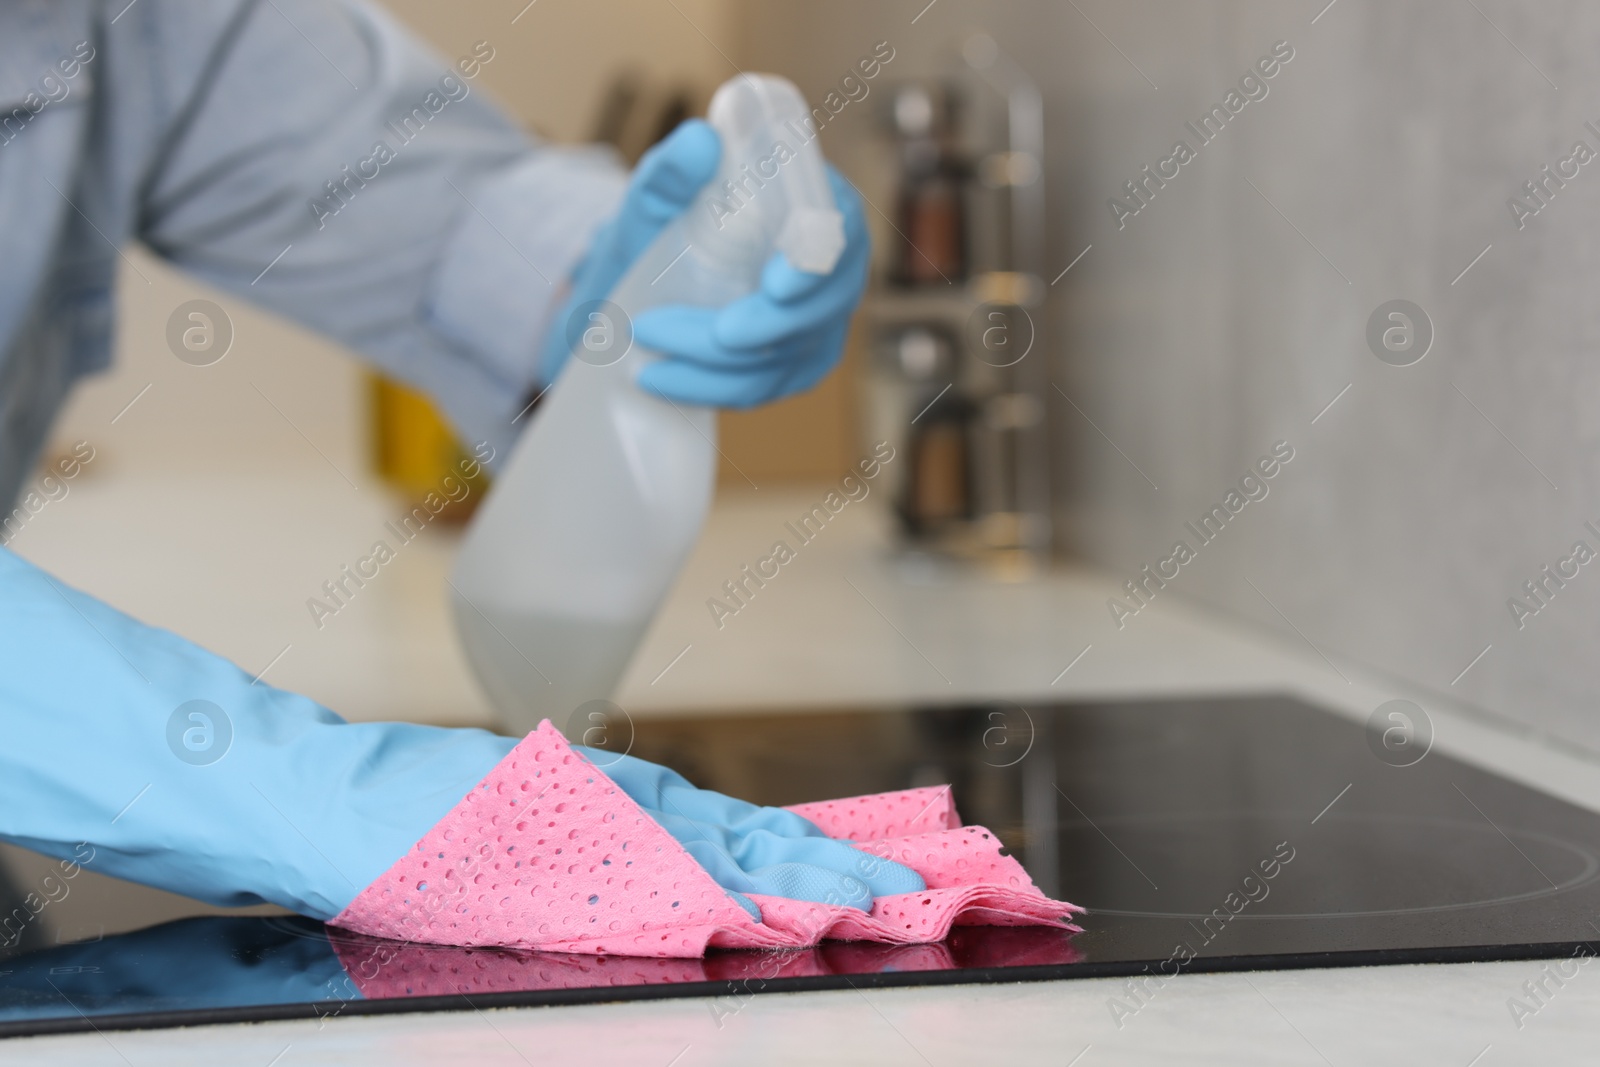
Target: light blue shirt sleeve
[(312, 157), (309, 156)]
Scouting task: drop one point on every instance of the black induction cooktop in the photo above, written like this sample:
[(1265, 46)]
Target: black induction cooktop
[(1201, 835)]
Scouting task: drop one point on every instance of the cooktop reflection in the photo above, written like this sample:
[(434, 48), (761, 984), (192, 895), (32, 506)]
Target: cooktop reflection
[(1212, 834)]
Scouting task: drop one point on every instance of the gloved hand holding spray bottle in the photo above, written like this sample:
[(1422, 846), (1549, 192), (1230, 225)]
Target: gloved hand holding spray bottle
[(603, 498)]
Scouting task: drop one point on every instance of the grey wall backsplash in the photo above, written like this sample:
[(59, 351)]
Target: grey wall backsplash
[(1232, 309)]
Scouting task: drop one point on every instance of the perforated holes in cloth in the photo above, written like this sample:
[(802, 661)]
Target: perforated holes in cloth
[(547, 853)]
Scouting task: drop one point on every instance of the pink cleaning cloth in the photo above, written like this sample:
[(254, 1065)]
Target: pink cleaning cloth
[(547, 853)]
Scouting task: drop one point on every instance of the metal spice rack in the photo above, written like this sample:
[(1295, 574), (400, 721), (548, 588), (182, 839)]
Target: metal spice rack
[(960, 362)]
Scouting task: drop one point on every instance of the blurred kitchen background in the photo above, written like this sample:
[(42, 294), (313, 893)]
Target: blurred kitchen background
[(1167, 355)]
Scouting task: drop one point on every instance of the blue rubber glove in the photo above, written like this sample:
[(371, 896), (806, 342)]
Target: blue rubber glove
[(134, 753), (751, 849), (111, 761), (665, 182), (780, 340)]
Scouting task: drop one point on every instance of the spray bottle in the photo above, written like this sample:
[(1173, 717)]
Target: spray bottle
[(604, 495)]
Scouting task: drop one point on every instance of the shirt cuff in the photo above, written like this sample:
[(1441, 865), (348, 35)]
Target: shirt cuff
[(505, 269)]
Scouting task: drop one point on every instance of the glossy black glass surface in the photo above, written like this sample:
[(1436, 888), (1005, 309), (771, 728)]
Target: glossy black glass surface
[(1200, 834)]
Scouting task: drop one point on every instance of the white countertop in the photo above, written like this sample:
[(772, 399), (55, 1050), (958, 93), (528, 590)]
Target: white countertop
[(1397, 1015), (846, 623)]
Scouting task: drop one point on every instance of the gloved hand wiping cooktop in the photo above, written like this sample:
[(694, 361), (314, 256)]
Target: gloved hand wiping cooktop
[(182, 772)]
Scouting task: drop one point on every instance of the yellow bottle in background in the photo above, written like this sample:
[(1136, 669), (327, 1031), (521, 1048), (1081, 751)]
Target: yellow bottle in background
[(413, 449)]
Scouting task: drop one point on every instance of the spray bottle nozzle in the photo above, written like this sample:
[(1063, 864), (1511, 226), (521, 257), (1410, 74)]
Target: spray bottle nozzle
[(757, 114), (812, 238)]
